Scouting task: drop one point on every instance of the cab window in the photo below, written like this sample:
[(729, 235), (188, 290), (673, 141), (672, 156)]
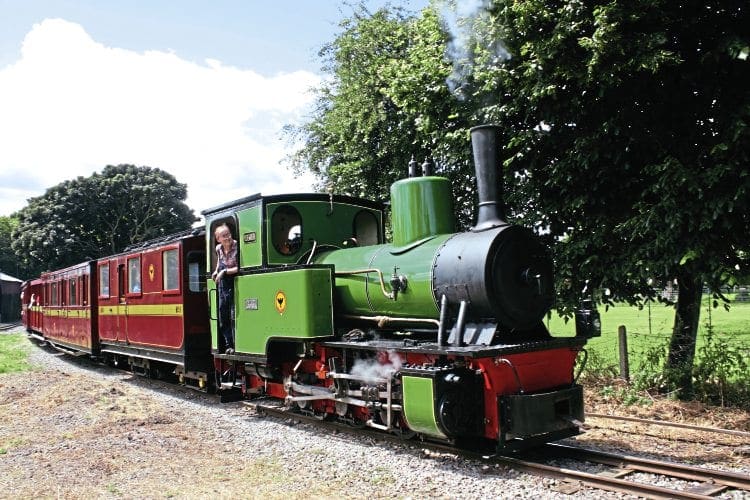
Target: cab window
[(286, 230), (366, 228)]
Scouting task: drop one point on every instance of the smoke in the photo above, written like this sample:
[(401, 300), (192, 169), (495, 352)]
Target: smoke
[(469, 23), (380, 367)]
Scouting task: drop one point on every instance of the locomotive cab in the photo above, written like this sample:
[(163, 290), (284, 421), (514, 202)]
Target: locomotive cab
[(278, 238)]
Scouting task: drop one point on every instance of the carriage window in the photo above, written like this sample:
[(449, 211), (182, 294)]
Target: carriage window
[(196, 269), (121, 280), (170, 270), (366, 228), (104, 280), (72, 300), (286, 230), (83, 287), (134, 275), (53, 300)]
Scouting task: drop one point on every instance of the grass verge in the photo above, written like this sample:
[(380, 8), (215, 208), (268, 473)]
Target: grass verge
[(14, 353)]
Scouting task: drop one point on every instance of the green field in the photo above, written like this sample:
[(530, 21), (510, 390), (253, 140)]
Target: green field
[(652, 327)]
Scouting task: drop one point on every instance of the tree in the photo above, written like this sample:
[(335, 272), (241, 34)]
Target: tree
[(8, 262), (89, 217), (385, 102), (627, 126)]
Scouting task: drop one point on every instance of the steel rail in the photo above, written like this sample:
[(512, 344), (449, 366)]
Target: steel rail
[(599, 481), (670, 424), (684, 471)]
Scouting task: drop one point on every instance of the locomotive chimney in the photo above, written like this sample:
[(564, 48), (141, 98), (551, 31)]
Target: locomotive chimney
[(484, 141)]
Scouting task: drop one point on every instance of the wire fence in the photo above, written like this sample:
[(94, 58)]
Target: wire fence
[(723, 335)]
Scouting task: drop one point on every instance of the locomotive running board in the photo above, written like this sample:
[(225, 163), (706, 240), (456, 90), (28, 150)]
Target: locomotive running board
[(472, 351)]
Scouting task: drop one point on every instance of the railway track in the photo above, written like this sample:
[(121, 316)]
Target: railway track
[(705, 483), (709, 482)]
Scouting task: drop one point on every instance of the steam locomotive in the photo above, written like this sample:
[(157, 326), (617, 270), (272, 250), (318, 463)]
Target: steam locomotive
[(435, 333)]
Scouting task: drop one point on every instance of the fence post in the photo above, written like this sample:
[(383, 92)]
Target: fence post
[(624, 363)]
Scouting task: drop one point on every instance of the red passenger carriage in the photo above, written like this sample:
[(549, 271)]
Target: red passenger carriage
[(62, 313), (152, 308), (145, 307)]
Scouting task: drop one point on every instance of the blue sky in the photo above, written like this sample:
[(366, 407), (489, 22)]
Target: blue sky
[(200, 89)]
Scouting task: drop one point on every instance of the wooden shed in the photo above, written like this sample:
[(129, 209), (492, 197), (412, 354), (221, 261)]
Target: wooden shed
[(10, 298)]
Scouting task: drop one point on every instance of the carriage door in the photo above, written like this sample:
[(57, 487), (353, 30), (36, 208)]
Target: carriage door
[(122, 305)]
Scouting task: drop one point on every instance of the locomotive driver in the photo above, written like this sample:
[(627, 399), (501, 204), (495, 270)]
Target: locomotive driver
[(226, 267)]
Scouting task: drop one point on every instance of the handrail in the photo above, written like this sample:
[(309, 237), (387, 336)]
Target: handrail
[(388, 295)]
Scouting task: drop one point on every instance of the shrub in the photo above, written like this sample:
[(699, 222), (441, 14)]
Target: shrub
[(721, 373)]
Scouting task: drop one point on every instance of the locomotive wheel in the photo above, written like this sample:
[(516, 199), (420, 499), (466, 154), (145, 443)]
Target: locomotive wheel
[(457, 412)]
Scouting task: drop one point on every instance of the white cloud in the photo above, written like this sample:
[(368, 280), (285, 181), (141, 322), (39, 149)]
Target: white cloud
[(70, 106)]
